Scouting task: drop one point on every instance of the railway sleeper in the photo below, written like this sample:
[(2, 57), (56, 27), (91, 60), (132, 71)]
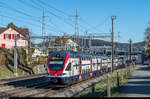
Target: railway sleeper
[(6, 88), (44, 94), (31, 77), (34, 84), (40, 91), (11, 89), (24, 82), (28, 91)]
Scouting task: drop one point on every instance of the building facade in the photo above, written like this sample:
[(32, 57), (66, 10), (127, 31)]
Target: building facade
[(67, 42), (7, 37)]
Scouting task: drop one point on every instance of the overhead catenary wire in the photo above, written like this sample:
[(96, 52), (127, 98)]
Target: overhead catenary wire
[(59, 17), (40, 7), (48, 5), (36, 8), (28, 4), (16, 10), (91, 27), (18, 20), (20, 12), (36, 5), (97, 26)]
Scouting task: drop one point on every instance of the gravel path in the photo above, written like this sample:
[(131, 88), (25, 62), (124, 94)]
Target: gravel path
[(138, 84)]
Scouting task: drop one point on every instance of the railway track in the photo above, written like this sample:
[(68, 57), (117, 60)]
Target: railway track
[(2, 81), (37, 86), (30, 86)]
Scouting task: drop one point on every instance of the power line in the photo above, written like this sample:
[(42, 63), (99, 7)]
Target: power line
[(36, 4), (56, 26), (68, 15), (42, 7), (89, 25), (52, 13), (24, 14), (28, 4), (24, 22), (64, 12), (18, 20), (92, 28), (48, 5), (39, 6), (16, 10), (24, 18)]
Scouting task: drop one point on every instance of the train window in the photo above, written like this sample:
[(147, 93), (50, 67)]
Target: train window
[(82, 71), (88, 70), (56, 64), (68, 67)]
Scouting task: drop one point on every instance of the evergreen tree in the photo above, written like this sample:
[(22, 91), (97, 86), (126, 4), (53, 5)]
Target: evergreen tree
[(11, 24)]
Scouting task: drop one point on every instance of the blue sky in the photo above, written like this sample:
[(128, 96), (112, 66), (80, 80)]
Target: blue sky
[(132, 16)]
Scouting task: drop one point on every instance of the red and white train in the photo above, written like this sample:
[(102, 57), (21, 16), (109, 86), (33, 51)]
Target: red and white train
[(66, 67)]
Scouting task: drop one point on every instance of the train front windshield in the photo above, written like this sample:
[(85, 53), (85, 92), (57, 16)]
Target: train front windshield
[(56, 61)]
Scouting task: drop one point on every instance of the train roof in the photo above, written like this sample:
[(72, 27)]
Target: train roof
[(76, 54)]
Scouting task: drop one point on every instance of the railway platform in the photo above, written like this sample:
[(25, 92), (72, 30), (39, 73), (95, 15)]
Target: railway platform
[(138, 84)]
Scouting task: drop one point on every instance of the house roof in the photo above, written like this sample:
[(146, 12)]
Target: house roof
[(60, 41), (2, 30), (22, 31)]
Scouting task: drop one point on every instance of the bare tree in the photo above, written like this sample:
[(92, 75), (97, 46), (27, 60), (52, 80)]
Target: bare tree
[(147, 40)]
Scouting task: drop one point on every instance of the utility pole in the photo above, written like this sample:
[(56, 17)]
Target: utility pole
[(130, 48), (118, 44), (112, 41), (15, 58), (43, 28), (76, 26), (85, 44)]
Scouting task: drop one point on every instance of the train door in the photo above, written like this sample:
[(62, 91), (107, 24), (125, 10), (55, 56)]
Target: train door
[(80, 69), (101, 66), (68, 69), (72, 68), (97, 65)]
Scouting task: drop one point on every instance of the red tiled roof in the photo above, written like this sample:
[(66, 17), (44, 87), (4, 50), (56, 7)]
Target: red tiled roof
[(22, 31), (2, 30)]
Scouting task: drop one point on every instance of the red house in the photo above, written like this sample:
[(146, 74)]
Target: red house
[(7, 36)]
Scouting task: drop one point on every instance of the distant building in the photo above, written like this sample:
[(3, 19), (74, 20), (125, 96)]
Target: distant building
[(7, 36), (37, 53), (66, 41)]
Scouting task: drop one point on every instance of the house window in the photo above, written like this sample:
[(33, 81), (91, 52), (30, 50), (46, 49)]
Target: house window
[(3, 45), (18, 35), (7, 36), (4, 36), (13, 36)]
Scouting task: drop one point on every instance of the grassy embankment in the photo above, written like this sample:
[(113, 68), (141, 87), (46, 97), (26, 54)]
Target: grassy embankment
[(101, 87), (7, 63)]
